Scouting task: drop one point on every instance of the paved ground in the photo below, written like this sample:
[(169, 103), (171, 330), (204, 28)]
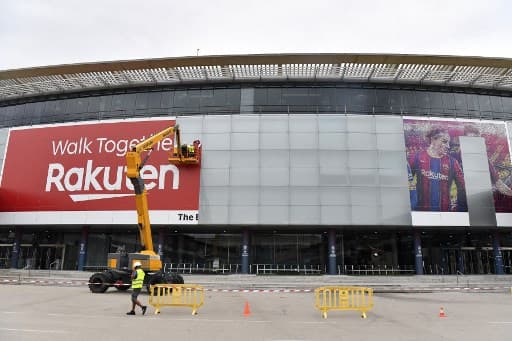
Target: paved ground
[(32, 312)]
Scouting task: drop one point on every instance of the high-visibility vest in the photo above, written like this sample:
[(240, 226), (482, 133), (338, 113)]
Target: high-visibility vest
[(191, 149), (139, 280)]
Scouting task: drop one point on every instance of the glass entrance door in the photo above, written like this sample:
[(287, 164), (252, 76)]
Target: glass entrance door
[(5, 255), (468, 261), (478, 261), (43, 256), (450, 257), (506, 253)]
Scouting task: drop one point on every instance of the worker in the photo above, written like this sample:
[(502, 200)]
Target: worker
[(191, 150), (137, 282), (184, 149)]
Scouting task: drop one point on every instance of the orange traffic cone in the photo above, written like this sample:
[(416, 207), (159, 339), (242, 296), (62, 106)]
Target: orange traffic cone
[(441, 312), (247, 310)]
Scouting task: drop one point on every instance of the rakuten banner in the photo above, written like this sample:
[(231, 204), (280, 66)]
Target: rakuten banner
[(79, 171)]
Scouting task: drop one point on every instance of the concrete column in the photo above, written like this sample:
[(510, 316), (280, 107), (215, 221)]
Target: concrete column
[(247, 101), (498, 258), (460, 259), (245, 251), (181, 246), (332, 252), (342, 261), (160, 245), (395, 239), (418, 255), (16, 248), (82, 253)]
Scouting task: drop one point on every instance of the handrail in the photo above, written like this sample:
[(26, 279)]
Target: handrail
[(55, 262), (372, 270), (304, 269)]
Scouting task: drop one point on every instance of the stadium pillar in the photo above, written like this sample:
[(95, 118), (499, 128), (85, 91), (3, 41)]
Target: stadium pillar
[(160, 246), (498, 258), (181, 243), (16, 248), (418, 254), (332, 252), (460, 260), (245, 251), (82, 253)]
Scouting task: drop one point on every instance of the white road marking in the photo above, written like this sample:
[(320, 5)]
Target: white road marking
[(158, 318), (35, 330)]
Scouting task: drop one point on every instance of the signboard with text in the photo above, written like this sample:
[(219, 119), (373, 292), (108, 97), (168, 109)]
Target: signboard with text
[(82, 168)]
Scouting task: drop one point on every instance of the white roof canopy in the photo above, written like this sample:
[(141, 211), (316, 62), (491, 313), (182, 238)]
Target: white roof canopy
[(470, 72)]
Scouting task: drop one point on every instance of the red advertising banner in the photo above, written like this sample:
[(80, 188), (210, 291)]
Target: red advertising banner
[(82, 167)]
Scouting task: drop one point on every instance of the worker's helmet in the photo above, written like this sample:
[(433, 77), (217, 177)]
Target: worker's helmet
[(136, 264)]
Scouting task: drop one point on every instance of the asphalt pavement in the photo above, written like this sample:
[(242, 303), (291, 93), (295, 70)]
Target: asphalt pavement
[(50, 312)]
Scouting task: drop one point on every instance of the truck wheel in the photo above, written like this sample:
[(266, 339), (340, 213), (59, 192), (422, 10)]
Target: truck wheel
[(122, 286), (155, 279), (98, 283), (174, 278)]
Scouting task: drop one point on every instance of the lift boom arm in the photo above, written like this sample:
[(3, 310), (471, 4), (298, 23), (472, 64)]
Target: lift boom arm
[(134, 164)]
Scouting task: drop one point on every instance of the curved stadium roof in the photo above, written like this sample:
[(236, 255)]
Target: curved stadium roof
[(470, 72)]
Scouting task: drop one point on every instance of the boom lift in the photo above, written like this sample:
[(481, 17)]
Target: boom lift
[(120, 263)]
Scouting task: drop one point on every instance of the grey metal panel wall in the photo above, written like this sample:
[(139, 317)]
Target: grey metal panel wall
[(478, 181), (304, 169)]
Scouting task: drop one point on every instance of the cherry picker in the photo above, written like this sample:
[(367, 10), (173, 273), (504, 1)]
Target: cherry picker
[(120, 263)]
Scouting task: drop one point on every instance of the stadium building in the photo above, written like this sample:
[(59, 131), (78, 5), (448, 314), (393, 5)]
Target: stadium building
[(320, 163)]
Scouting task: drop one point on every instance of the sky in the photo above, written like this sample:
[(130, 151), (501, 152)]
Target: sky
[(53, 32)]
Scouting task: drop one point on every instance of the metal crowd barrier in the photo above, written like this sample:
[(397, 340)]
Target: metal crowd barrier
[(343, 298), (377, 270), (265, 269), (176, 295)]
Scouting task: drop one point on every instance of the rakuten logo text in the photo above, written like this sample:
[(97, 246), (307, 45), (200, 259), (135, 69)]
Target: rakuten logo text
[(104, 178)]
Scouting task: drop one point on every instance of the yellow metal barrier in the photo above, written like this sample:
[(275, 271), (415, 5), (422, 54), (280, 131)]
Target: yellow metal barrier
[(343, 298), (176, 295)]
